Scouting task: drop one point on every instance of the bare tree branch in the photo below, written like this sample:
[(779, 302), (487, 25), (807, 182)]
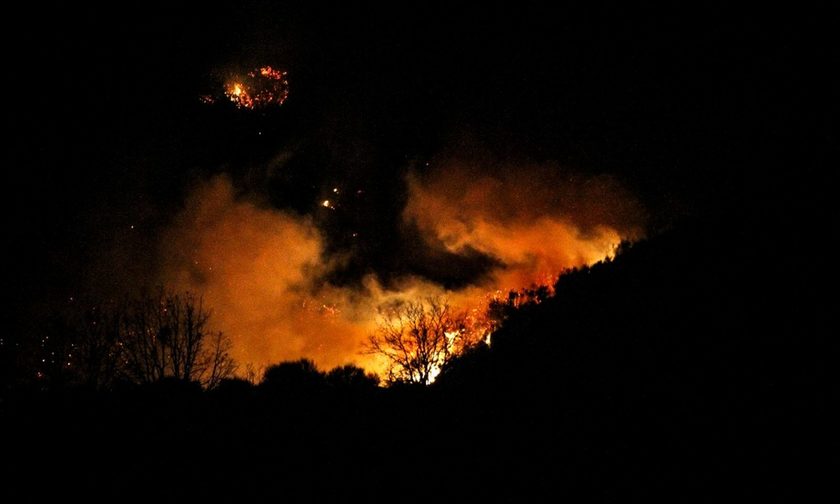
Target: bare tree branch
[(417, 339)]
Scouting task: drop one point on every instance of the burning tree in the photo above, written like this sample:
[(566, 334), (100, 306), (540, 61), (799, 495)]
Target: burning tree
[(418, 338)]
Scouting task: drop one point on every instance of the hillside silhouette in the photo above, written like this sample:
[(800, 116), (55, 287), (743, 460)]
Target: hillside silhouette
[(665, 372)]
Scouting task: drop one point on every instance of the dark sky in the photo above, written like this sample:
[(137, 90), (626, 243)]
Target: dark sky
[(106, 128)]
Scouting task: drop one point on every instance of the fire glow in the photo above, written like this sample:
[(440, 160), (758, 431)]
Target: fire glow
[(262, 269), (259, 88)]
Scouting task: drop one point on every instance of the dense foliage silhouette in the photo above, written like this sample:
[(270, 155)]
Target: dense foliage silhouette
[(660, 373)]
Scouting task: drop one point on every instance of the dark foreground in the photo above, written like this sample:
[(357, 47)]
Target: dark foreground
[(670, 372)]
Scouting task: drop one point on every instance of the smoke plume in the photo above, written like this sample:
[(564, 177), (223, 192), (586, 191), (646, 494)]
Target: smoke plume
[(257, 268), (534, 222), (262, 270)]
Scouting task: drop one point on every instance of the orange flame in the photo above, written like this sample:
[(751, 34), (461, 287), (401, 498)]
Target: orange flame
[(261, 269), (261, 87)]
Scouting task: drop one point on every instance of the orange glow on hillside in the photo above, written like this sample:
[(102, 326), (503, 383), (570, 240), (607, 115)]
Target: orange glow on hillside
[(536, 222), (262, 270)]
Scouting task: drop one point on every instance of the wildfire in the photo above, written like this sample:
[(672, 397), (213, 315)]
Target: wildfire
[(259, 88), (262, 270), (451, 340)]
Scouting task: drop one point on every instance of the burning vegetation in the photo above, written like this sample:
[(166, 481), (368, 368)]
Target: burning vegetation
[(263, 269), (259, 88)]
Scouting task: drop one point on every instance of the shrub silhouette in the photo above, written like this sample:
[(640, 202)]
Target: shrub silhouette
[(296, 378), (350, 377)]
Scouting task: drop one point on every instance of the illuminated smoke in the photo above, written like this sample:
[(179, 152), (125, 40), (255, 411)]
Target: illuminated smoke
[(536, 222), (257, 269), (261, 269)]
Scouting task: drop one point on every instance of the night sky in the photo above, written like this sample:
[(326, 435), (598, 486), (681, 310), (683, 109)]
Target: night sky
[(108, 137), (478, 253)]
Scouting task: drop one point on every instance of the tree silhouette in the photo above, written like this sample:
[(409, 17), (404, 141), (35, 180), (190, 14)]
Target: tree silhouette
[(296, 377), (417, 339), (350, 377), (167, 335), (52, 358), (97, 346)]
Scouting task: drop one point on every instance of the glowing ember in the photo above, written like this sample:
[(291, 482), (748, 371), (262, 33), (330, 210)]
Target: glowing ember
[(261, 87)]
